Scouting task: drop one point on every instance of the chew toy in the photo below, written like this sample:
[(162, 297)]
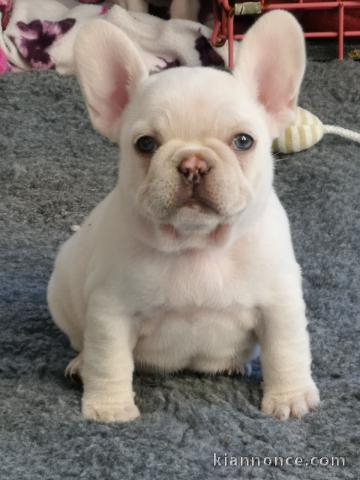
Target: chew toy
[(306, 131)]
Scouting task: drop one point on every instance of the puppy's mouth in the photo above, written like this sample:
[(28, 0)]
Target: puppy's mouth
[(199, 205), (194, 197), (193, 216), (213, 234)]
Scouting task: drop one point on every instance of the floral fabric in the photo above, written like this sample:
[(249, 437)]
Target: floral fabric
[(39, 34)]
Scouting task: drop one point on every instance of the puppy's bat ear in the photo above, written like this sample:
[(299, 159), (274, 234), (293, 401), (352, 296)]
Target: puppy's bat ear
[(272, 62), (109, 68)]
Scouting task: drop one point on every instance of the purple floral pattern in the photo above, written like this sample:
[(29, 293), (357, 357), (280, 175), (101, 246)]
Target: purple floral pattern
[(166, 63), (36, 38), (104, 10), (5, 10), (209, 57)]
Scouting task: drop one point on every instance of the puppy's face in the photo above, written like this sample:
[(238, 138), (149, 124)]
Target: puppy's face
[(195, 152), (195, 142)]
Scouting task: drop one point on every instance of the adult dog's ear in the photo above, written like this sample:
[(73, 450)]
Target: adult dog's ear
[(272, 62), (109, 68)]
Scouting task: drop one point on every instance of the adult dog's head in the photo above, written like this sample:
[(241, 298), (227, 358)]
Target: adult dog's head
[(195, 143)]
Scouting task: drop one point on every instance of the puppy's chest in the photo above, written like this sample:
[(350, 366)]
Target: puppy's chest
[(192, 282), (194, 308)]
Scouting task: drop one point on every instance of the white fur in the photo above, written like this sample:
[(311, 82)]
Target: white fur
[(148, 282)]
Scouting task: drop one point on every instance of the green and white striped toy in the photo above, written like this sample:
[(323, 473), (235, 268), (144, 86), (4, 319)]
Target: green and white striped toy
[(306, 131)]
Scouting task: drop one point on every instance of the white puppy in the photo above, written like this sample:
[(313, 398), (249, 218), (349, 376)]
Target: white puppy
[(188, 262)]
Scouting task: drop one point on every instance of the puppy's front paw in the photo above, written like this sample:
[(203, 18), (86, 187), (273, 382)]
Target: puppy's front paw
[(297, 403), (108, 412)]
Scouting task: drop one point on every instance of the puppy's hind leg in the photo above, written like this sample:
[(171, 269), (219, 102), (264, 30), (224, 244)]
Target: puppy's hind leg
[(65, 320), (74, 366)]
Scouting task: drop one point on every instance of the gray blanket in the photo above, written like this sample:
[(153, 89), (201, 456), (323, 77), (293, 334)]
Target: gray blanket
[(53, 170)]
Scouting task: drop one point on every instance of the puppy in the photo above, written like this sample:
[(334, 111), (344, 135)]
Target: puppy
[(188, 262)]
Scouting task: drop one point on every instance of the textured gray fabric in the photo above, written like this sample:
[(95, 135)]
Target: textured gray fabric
[(53, 170)]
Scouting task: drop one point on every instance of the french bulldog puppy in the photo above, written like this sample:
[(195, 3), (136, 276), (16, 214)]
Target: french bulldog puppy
[(188, 263)]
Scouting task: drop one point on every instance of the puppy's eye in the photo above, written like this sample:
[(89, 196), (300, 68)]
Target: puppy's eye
[(146, 144), (243, 141)]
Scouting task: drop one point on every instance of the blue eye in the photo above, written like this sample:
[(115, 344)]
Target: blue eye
[(146, 144), (242, 141)]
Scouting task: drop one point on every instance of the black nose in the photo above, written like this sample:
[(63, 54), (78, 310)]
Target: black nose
[(193, 168)]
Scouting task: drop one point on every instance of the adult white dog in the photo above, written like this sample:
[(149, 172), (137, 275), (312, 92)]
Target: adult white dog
[(188, 262)]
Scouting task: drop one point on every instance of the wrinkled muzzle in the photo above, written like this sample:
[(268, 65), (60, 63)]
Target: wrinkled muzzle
[(193, 187)]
